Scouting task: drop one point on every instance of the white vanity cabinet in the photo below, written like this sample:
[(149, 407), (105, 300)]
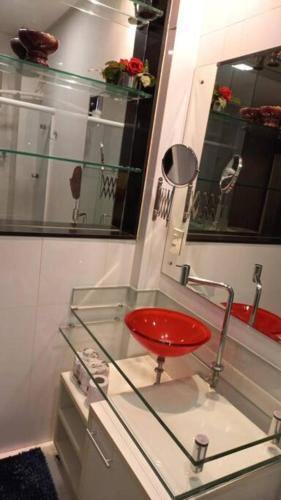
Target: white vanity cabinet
[(106, 474), (98, 456), (103, 462)]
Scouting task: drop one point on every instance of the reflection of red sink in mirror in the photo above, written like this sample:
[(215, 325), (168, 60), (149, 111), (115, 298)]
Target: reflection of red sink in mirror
[(266, 322), (165, 332)]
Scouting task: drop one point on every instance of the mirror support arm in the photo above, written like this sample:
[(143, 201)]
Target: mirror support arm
[(217, 366), (187, 203), (157, 202)]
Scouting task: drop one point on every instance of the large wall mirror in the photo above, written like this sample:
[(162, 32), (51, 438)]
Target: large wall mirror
[(238, 193), (234, 231), (73, 139)]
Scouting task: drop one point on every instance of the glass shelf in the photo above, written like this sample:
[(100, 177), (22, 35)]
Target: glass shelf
[(226, 116), (238, 119), (157, 416), (66, 80), (132, 13), (240, 184), (84, 163)]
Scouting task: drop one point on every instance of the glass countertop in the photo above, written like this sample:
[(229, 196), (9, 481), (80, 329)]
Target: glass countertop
[(165, 418)]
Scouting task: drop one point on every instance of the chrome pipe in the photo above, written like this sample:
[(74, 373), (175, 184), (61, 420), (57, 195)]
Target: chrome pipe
[(185, 270), (159, 369), (201, 443), (275, 427), (157, 202), (217, 366), (257, 280), (186, 211)]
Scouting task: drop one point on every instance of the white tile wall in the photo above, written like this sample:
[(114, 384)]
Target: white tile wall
[(37, 276), (17, 334), (19, 264), (237, 28)]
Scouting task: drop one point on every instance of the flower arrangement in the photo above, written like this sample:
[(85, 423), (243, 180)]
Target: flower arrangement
[(128, 71), (222, 96)]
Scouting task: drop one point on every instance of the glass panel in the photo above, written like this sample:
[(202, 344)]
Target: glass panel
[(128, 13), (163, 419)]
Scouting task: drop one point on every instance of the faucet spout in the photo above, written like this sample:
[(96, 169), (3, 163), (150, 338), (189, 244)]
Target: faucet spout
[(257, 281), (185, 271)]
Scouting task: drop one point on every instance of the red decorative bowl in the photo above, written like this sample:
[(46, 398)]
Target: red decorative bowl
[(251, 114), (167, 333), (266, 322), (38, 45), (271, 116)]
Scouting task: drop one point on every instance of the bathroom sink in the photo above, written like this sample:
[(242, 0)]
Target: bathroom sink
[(165, 332), (266, 322)]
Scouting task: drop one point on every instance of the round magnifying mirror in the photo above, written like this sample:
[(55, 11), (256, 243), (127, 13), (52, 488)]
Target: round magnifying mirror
[(179, 165)]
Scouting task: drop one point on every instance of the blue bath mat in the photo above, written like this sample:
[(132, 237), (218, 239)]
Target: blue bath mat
[(26, 477)]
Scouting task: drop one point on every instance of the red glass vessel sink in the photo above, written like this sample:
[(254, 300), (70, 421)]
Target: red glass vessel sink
[(266, 322), (165, 332)]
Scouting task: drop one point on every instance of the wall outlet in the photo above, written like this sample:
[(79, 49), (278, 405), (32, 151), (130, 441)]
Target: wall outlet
[(176, 241)]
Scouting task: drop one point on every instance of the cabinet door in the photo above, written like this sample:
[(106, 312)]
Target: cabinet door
[(105, 473)]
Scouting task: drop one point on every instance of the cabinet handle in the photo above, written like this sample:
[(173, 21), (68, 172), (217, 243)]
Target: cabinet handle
[(107, 461)]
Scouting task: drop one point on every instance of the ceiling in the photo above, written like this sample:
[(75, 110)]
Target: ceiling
[(36, 14)]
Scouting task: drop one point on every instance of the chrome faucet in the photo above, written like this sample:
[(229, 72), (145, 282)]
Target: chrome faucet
[(185, 278), (76, 214), (257, 280)]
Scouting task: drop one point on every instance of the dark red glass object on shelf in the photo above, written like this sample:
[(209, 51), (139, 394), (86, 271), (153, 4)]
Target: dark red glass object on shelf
[(165, 332), (18, 48), (34, 46)]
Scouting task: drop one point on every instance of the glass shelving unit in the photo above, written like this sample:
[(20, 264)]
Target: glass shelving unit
[(47, 131), (129, 13), (163, 419)]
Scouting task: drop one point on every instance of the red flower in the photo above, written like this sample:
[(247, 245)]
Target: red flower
[(225, 92), (135, 66), (125, 63)]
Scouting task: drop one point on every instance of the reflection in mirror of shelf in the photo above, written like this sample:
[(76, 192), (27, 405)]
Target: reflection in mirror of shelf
[(252, 133)]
